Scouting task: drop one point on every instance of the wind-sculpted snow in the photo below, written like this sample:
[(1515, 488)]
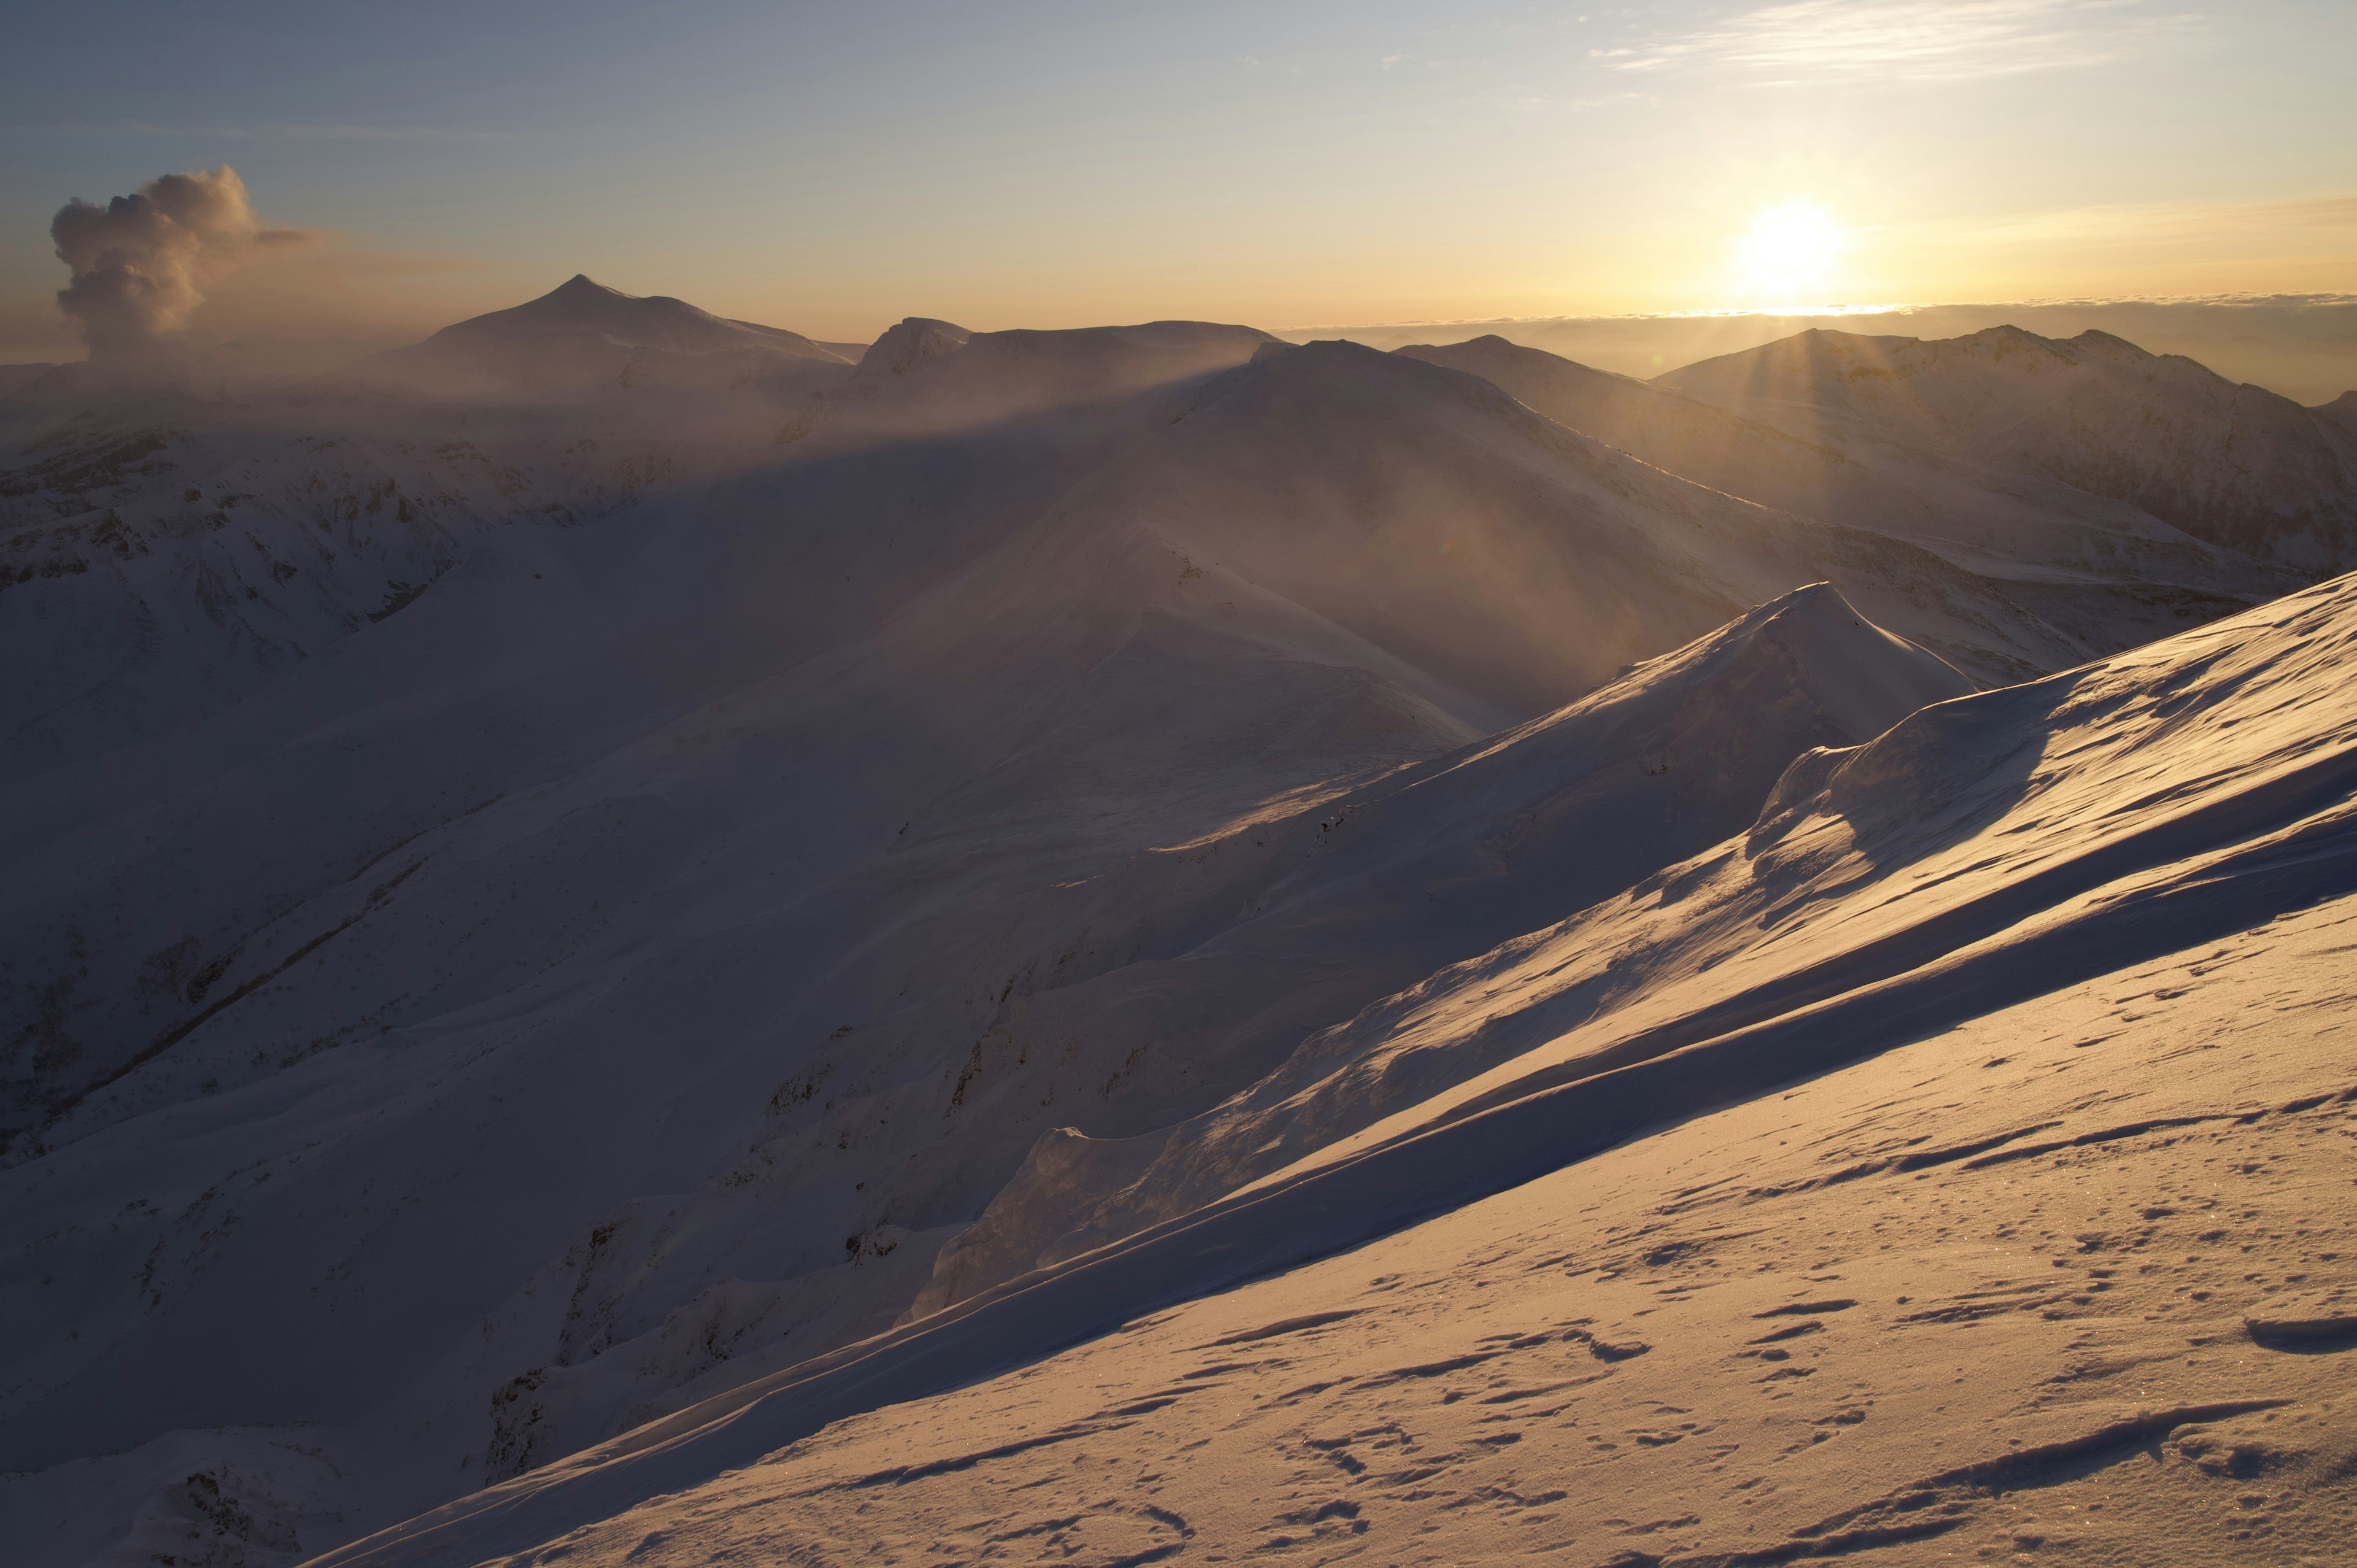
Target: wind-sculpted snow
[(1989, 851)]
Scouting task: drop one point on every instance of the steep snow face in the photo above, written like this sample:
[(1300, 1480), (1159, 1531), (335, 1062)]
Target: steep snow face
[(2036, 971), (2238, 466), (2086, 559)]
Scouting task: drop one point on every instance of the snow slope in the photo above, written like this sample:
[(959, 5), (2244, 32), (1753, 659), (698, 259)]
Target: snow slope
[(2090, 1304), (2236, 465), (2128, 884)]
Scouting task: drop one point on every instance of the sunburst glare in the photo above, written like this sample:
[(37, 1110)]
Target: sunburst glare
[(1790, 248)]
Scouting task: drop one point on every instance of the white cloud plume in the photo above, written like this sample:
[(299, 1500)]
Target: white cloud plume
[(140, 264)]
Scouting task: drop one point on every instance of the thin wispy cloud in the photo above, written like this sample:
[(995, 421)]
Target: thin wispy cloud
[(1896, 40), (295, 133)]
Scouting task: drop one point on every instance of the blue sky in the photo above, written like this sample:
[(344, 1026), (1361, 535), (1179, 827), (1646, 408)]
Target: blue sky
[(832, 167)]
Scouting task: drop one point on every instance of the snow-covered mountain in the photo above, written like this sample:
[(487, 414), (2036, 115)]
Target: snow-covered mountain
[(2116, 574), (580, 338), (960, 841), (2236, 465)]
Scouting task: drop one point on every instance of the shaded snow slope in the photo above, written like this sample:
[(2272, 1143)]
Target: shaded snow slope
[(2146, 819), (2236, 465)]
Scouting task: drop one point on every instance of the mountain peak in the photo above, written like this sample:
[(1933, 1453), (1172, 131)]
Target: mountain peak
[(1864, 677), (914, 340)]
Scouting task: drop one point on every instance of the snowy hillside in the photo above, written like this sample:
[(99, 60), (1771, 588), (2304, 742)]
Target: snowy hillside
[(2055, 907), (545, 895)]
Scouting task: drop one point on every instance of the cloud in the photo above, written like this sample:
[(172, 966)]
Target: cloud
[(292, 133), (140, 264), (1898, 41)]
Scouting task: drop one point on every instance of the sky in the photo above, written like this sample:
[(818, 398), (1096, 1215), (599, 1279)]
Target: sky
[(834, 168)]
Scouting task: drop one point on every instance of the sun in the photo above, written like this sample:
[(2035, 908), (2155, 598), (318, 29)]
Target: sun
[(1789, 245)]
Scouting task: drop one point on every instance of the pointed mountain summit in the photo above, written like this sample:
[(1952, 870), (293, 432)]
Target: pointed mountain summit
[(583, 337), (581, 304)]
